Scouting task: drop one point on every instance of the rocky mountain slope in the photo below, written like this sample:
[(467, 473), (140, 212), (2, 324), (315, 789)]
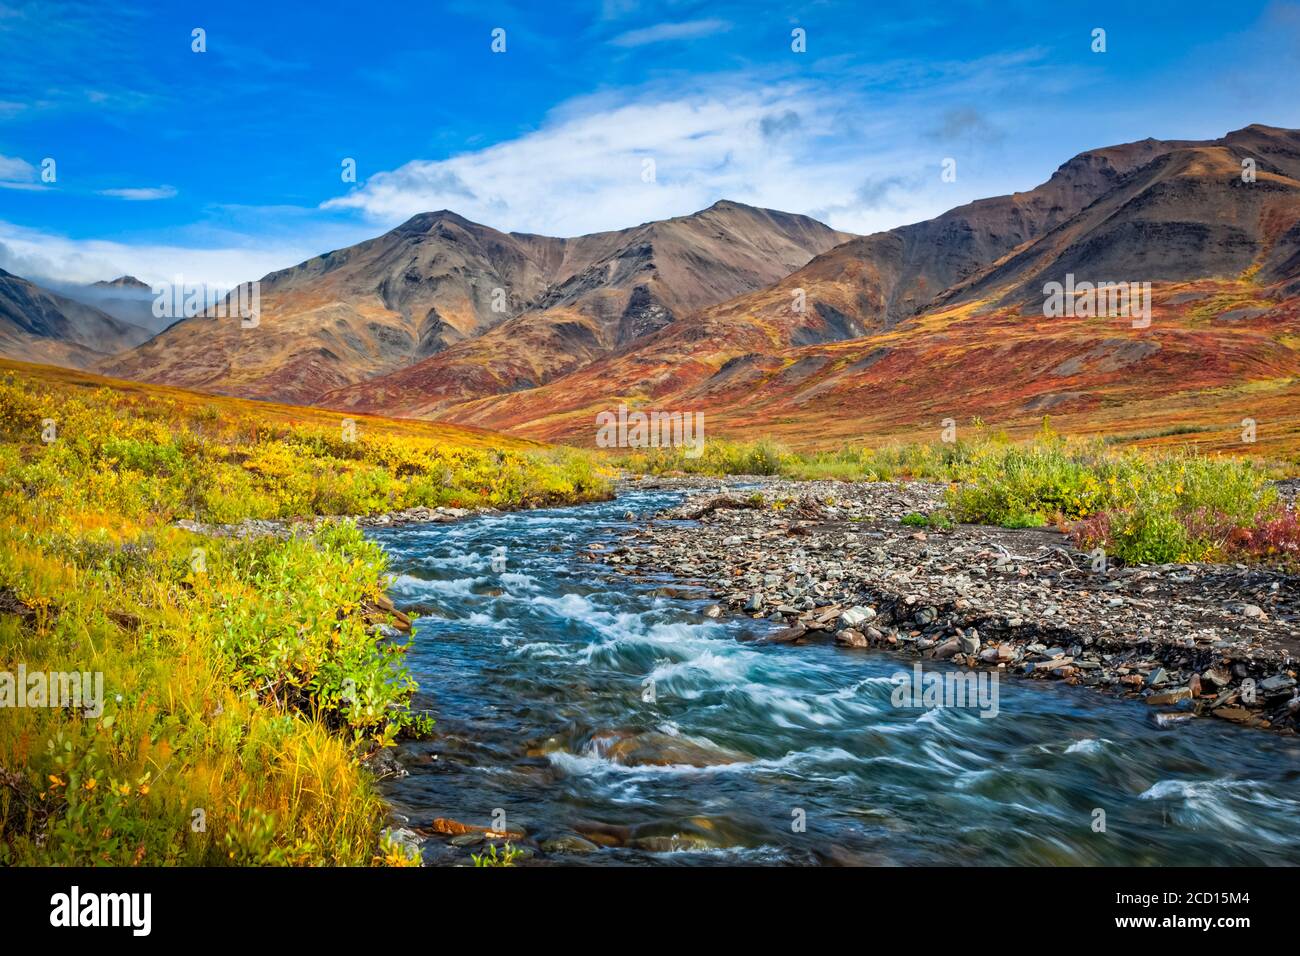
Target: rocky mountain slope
[(950, 324), (37, 325), (439, 281)]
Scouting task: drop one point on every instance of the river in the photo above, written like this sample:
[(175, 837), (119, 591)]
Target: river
[(573, 700)]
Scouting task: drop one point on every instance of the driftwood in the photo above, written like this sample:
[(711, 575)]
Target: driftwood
[(695, 510)]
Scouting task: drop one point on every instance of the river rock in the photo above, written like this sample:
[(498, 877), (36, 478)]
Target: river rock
[(1216, 678), (784, 636), (405, 838), (656, 749), (1168, 697), (448, 827), (848, 637), (855, 616), (949, 648), (569, 843), (1278, 684)]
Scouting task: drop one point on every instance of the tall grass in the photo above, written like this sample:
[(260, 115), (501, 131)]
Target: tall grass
[(717, 458), (1138, 506), (244, 687)]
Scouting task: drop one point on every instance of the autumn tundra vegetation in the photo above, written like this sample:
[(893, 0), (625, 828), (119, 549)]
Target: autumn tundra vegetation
[(249, 680), (245, 686)]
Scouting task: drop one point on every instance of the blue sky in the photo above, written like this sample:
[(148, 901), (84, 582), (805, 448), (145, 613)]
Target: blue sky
[(226, 164)]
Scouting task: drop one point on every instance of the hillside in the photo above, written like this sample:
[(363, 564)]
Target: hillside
[(356, 314), (186, 404), (1221, 254), (38, 325)]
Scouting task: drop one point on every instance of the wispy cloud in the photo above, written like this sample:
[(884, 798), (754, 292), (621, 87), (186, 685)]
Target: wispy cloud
[(607, 162), (965, 122), (15, 170), (660, 32), (40, 255), (141, 193)]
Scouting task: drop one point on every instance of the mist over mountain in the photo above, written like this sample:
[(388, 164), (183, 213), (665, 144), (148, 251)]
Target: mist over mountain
[(40, 325)]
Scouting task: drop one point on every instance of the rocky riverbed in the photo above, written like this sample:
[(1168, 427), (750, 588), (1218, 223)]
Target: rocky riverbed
[(834, 562), (286, 528)]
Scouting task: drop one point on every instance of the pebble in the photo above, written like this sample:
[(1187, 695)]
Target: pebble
[(991, 597)]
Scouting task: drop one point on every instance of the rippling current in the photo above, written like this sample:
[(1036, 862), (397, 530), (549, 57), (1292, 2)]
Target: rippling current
[(750, 753)]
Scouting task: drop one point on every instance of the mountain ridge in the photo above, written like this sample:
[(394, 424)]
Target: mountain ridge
[(40, 325), (743, 361), (438, 279)]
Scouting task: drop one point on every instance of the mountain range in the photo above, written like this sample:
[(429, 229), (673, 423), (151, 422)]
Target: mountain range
[(773, 323), (952, 318), (458, 310), (40, 325)]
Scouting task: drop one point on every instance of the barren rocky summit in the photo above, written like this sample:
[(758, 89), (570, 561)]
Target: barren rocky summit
[(833, 561)]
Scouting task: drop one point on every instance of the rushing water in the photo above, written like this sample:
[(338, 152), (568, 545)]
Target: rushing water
[(536, 673)]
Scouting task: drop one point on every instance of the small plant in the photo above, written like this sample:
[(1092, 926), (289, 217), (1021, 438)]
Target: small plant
[(936, 520), (509, 854)]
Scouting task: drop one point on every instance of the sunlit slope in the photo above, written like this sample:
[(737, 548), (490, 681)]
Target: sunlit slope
[(1221, 254), (224, 408)]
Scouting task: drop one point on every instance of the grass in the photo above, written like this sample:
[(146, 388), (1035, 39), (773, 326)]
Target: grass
[(1139, 506), (244, 684), (718, 458)]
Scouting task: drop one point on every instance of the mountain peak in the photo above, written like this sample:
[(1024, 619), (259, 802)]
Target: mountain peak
[(426, 221), (121, 282)]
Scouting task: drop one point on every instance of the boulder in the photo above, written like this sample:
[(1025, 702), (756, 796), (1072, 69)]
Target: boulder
[(848, 637), (855, 616)]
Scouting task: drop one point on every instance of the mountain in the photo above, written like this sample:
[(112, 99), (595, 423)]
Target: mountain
[(37, 325), (480, 311), (1188, 214), (856, 286), (121, 282), (125, 298), (642, 280), (951, 320)]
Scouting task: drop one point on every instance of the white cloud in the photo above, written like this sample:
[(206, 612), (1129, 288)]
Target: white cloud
[(690, 30), (141, 194), (791, 147), (15, 170), (38, 255)]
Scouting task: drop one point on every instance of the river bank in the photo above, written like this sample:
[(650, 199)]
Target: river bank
[(834, 562), (593, 709)]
